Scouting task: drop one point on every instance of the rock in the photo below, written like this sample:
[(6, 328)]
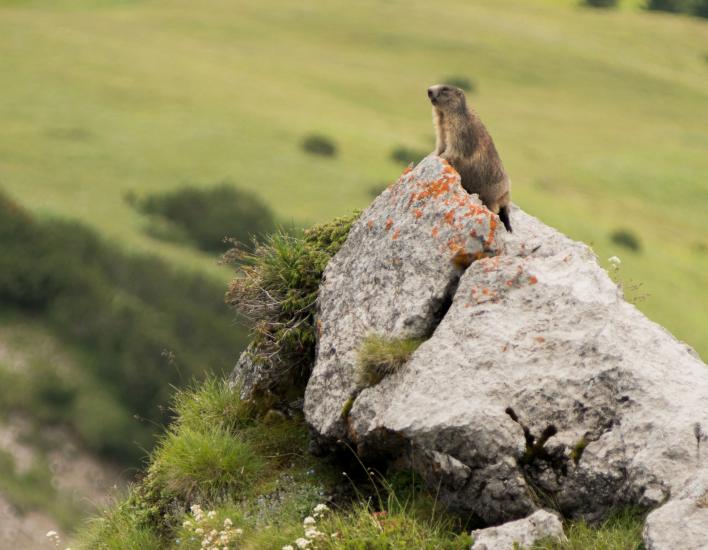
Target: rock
[(394, 276), (250, 376), (537, 337), (522, 532), (683, 521)]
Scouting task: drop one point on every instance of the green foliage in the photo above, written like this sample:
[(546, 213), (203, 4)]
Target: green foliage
[(404, 155), (194, 465), (380, 356), (276, 291), (209, 216), (621, 531), (141, 325), (626, 238), (601, 3), (461, 82), (672, 6), (122, 527), (319, 145)]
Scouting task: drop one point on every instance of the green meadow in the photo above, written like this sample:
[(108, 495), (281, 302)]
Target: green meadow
[(601, 116)]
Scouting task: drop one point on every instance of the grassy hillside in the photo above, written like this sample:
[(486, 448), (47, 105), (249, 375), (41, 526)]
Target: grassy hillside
[(599, 115)]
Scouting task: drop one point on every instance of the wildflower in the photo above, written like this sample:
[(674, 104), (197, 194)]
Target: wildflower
[(228, 523), (187, 524), (615, 261), (309, 520), (321, 508), (211, 514), (238, 532), (199, 531), (302, 543), (52, 534), (288, 547)]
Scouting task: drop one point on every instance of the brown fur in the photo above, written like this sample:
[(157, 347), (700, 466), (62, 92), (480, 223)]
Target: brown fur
[(464, 142)]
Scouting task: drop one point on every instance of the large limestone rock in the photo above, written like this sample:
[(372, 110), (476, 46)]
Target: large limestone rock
[(394, 276), (537, 338), (523, 532)]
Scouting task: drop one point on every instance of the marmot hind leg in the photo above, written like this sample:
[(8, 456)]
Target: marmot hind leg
[(504, 217)]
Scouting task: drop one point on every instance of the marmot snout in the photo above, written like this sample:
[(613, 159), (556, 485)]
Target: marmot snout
[(464, 142)]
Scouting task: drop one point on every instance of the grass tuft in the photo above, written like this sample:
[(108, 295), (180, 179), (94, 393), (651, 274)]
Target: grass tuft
[(380, 357), (621, 531)]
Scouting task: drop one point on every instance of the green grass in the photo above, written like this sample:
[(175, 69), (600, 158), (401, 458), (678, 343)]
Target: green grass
[(599, 115), (621, 531), (379, 357)]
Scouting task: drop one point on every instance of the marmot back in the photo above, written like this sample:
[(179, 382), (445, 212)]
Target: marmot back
[(464, 142)]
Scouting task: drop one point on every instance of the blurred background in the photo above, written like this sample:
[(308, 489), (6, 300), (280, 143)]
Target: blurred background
[(136, 134)]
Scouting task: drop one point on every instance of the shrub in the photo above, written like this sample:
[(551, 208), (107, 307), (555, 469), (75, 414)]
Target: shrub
[(380, 357), (461, 82), (276, 291), (627, 239), (404, 155), (672, 6), (700, 8), (601, 3), (208, 216), (319, 145)]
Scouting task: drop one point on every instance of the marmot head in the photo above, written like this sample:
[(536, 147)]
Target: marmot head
[(447, 98)]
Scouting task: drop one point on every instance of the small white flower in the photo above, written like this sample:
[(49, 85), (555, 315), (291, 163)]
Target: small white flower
[(228, 522), (238, 532), (211, 514), (288, 547), (52, 534), (320, 508), (302, 543), (199, 531), (615, 261), (309, 520)]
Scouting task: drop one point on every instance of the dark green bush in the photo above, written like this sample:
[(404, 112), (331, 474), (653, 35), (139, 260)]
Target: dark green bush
[(461, 82), (276, 291), (142, 326), (701, 8), (601, 3), (404, 155), (672, 6), (208, 216), (627, 239), (319, 145)]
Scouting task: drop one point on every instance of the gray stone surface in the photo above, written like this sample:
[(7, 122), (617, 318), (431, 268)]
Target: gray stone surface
[(681, 523), (522, 532), (393, 277), (540, 328)]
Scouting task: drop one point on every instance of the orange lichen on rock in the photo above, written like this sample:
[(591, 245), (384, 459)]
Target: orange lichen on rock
[(418, 213), (492, 229), (370, 224), (435, 232), (450, 217), (533, 280), (389, 224), (396, 234)]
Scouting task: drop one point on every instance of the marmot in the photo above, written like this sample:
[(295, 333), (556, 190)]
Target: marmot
[(465, 143)]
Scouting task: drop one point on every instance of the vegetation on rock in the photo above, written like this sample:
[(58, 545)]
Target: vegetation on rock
[(380, 356), (276, 291)]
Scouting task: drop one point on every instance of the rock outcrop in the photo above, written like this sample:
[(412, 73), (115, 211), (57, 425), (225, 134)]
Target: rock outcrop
[(538, 384), (522, 533)]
